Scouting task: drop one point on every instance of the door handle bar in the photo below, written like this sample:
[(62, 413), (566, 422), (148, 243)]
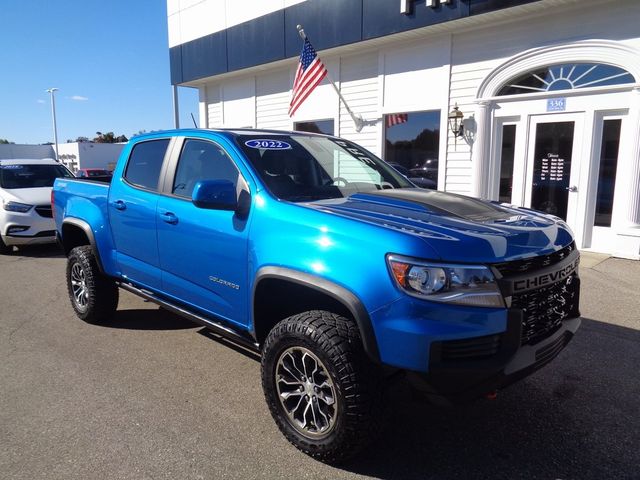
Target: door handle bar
[(169, 217)]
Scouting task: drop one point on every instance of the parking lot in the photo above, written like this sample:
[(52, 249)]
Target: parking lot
[(150, 395)]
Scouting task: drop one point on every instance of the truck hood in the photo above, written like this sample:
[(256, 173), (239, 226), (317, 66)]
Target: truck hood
[(30, 196), (458, 228)]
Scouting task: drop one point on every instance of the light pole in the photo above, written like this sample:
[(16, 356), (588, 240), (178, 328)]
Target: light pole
[(53, 114)]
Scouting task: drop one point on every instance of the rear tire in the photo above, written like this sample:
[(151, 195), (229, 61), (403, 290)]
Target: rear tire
[(323, 392), (94, 296)]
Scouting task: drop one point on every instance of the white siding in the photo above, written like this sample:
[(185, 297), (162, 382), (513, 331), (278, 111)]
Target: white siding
[(416, 76), (476, 53), (238, 108), (272, 101), (214, 106), (359, 86)]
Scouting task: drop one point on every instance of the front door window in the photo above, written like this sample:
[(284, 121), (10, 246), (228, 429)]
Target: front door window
[(552, 167)]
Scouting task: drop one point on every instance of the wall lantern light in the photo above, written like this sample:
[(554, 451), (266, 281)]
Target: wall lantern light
[(455, 122)]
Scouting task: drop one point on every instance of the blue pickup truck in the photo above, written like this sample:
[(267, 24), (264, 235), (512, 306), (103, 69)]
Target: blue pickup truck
[(315, 253)]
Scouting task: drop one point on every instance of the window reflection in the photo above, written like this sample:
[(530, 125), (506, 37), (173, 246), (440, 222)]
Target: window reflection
[(506, 162), (412, 142), (607, 172), (315, 126)]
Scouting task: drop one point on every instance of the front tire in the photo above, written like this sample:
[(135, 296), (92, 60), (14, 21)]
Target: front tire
[(323, 392), (94, 296)]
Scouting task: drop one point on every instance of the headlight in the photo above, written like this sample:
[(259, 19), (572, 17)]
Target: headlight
[(17, 207), (457, 284)]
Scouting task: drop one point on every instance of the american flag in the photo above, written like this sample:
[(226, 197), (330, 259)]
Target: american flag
[(310, 73), (397, 118)]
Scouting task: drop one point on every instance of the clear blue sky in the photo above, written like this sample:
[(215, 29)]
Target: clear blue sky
[(110, 61)]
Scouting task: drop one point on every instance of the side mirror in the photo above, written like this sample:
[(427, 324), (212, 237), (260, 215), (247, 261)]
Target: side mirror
[(215, 195)]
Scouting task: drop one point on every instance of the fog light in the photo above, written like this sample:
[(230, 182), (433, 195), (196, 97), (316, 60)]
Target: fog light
[(16, 229)]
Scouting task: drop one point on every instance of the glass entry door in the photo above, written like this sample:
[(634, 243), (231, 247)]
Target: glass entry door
[(603, 206), (553, 159)]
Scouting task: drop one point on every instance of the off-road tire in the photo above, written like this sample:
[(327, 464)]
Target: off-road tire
[(101, 294), (336, 342)]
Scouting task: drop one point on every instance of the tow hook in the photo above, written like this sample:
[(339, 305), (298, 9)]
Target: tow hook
[(491, 395)]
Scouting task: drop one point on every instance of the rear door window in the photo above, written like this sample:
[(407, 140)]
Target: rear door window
[(145, 163)]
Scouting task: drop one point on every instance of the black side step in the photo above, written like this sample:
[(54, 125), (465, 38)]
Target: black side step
[(218, 328)]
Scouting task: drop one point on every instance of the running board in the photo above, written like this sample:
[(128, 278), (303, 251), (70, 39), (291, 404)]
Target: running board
[(216, 327)]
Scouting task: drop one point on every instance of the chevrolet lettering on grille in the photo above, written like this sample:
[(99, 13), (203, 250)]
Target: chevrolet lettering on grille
[(545, 278)]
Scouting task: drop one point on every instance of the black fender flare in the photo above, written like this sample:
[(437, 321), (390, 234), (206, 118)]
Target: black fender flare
[(86, 228), (337, 292)]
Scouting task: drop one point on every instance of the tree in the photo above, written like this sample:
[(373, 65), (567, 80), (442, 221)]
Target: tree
[(4, 141), (109, 137), (140, 132)]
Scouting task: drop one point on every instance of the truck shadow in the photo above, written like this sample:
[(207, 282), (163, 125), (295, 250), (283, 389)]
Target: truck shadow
[(577, 418), (49, 250)]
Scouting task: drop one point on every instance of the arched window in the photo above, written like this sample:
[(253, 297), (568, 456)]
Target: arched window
[(566, 76)]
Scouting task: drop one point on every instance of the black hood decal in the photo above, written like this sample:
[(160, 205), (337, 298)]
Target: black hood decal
[(448, 204)]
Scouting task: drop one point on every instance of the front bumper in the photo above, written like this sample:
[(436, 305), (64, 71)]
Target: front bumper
[(39, 229), (459, 382), (22, 240)]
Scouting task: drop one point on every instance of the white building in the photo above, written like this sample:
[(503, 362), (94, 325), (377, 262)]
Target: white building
[(12, 150), (549, 89), (77, 155)]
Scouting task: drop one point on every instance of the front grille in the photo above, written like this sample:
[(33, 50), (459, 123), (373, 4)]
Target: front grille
[(44, 211), (470, 348), (534, 263), (544, 309)]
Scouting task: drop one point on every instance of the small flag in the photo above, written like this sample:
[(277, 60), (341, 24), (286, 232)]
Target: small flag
[(310, 73), (397, 118)]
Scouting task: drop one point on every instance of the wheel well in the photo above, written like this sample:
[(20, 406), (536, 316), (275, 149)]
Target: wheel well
[(276, 299), (72, 237)]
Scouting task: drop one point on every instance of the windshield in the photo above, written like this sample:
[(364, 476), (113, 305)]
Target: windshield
[(301, 168), (30, 176)]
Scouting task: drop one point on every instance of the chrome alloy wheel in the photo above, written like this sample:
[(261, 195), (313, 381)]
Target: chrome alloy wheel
[(79, 286), (306, 392)]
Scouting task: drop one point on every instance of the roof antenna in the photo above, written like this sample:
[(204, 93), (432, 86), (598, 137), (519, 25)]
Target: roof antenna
[(194, 120)]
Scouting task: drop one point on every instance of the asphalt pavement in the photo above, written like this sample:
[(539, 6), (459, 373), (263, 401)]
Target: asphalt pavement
[(151, 396)]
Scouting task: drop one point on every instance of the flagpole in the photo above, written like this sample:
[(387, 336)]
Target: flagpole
[(357, 119)]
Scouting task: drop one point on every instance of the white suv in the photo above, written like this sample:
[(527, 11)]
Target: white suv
[(25, 201)]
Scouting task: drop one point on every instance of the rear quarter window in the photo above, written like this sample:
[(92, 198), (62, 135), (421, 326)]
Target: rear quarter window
[(145, 163)]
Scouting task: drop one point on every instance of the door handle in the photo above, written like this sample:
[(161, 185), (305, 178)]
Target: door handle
[(119, 205), (169, 218), (572, 188)]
